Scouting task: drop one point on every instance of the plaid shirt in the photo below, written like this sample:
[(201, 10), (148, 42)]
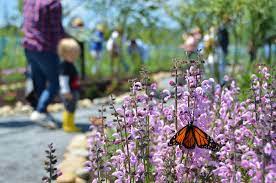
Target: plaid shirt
[(42, 25)]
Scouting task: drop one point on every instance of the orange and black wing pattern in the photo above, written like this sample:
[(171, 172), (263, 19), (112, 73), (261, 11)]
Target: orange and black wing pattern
[(204, 141), (178, 138), (190, 136), (189, 141), (184, 137)]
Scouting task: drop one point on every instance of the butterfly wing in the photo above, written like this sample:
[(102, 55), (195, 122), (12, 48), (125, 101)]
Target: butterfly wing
[(178, 138), (189, 141), (203, 140), (189, 136)]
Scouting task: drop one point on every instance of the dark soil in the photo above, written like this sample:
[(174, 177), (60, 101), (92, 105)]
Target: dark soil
[(89, 89)]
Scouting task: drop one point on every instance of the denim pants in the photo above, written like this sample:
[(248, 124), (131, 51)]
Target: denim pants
[(44, 73), (71, 105)]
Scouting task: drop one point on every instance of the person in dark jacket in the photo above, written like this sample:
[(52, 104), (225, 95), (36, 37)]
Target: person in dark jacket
[(43, 29), (223, 39), (223, 42)]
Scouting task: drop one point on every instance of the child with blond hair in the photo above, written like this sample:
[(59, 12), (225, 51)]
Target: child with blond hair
[(69, 51)]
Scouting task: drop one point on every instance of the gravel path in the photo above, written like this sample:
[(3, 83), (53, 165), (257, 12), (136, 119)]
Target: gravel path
[(22, 143), (22, 146)]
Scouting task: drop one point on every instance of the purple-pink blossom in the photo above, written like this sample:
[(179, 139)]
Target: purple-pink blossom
[(133, 146)]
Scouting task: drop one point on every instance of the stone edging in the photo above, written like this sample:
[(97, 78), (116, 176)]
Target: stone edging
[(72, 167)]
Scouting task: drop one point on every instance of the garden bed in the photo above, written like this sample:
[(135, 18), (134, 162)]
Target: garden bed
[(140, 143), (91, 89)]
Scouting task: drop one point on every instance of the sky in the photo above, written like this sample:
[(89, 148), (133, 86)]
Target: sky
[(9, 13)]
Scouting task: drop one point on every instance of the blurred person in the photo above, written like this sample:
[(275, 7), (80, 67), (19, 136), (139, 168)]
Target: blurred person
[(191, 41), (69, 51), (96, 47), (197, 34), (138, 53), (3, 44), (113, 48), (252, 50), (43, 29), (30, 94), (223, 42), (209, 49), (77, 23), (78, 33), (122, 41)]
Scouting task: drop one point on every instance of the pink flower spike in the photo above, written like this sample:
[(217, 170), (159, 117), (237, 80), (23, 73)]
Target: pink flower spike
[(268, 149), (172, 83)]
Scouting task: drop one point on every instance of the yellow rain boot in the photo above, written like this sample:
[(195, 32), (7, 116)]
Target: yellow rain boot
[(68, 124)]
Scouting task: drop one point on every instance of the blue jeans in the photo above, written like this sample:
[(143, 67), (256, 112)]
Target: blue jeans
[(70, 105), (44, 73)]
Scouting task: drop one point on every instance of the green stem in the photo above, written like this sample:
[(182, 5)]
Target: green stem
[(176, 98), (126, 139), (98, 168), (50, 155), (148, 136), (147, 151)]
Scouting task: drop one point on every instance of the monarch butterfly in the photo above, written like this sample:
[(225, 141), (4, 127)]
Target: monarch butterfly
[(190, 136)]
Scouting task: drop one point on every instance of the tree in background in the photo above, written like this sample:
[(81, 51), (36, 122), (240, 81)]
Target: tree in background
[(249, 19), (260, 20)]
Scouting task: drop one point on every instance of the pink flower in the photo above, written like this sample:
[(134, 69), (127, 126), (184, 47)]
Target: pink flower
[(268, 149), (172, 83), (199, 91), (238, 176), (127, 101), (118, 174), (137, 86), (166, 94), (133, 159), (270, 177), (239, 126), (153, 86), (245, 164), (95, 181), (226, 78)]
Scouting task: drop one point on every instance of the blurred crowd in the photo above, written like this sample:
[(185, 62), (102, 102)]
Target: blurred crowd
[(52, 52), (213, 45), (115, 42)]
